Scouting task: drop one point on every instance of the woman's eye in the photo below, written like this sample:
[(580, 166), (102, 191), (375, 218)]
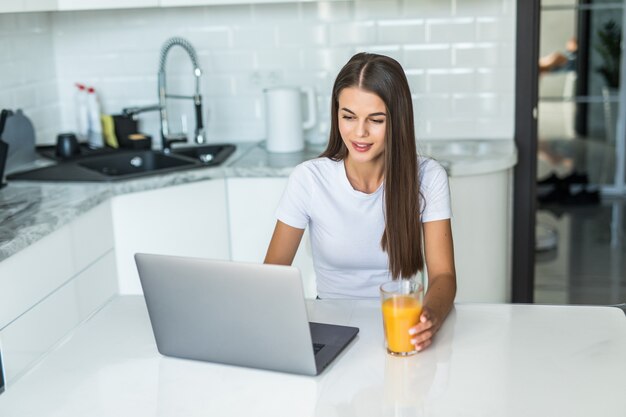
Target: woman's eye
[(347, 117), (378, 121)]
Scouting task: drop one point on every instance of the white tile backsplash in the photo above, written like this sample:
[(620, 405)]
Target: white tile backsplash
[(429, 8), (454, 52), (401, 31), (376, 9), (352, 33), (450, 81), (27, 69), (451, 30), (427, 56)]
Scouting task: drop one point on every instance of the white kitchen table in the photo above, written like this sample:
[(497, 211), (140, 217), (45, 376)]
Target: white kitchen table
[(487, 360)]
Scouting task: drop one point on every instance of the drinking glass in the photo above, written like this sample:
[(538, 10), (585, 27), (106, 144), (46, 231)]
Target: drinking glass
[(401, 305)]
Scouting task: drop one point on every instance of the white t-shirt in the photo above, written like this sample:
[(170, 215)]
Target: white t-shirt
[(346, 225)]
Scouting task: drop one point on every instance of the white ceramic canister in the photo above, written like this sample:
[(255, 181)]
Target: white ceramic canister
[(283, 110)]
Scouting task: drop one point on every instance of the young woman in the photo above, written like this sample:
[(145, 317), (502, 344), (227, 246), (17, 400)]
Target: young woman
[(375, 210)]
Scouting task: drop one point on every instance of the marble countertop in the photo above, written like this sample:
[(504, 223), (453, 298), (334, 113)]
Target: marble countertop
[(487, 360), (31, 210)]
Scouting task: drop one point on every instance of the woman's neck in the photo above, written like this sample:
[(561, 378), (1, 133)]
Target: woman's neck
[(365, 177)]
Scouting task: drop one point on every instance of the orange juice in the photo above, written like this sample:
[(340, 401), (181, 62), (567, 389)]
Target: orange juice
[(400, 313)]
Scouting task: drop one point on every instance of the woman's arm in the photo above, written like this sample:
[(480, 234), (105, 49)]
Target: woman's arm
[(438, 301), (284, 244)]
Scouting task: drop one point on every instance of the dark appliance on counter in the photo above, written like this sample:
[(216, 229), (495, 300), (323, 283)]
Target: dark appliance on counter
[(4, 149), (1, 375), (19, 134)]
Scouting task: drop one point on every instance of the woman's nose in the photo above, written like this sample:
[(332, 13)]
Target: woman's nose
[(361, 130)]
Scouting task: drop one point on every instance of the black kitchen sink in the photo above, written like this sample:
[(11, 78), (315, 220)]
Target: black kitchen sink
[(133, 163), (126, 164), (208, 155)]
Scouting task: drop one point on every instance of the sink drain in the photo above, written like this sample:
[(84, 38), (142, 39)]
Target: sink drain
[(136, 162)]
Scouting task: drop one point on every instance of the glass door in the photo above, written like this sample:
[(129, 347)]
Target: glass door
[(580, 136), (581, 153)]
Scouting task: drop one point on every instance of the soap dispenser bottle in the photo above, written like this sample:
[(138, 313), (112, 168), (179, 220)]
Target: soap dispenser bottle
[(94, 130)]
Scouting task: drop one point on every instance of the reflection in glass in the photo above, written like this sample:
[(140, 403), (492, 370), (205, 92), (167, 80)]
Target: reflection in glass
[(580, 46)]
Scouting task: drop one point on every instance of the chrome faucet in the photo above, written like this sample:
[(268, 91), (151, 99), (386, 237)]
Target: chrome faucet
[(168, 138)]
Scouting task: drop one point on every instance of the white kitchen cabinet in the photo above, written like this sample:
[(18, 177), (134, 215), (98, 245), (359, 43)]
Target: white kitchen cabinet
[(39, 5), (11, 6), (54, 284), (104, 4), (175, 3), (251, 205), (481, 219), (28, 338), (184, 220), (16, 6)]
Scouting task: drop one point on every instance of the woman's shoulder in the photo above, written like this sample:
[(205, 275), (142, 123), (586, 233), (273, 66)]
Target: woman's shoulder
[(429, 166), (431, 171), (317, 167)]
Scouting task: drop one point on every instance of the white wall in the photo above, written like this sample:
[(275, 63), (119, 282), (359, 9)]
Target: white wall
[(27, 70), (458, 55)]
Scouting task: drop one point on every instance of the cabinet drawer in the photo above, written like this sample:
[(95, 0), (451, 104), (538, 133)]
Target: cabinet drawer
[(31, 274), (32, 334)]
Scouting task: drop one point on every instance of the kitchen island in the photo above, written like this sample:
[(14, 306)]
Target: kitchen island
[(487, 360)]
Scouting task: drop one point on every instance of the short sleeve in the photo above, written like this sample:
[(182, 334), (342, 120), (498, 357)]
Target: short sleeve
[(435, 192), (294, 206)]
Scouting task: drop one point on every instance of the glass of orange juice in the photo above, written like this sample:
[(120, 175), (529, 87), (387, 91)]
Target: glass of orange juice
[(402, 306)]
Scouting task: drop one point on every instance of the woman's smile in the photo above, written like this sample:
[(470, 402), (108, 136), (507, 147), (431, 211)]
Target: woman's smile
[(361, 146)]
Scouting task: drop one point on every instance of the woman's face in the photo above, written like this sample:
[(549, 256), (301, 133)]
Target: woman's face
[(362, 124)]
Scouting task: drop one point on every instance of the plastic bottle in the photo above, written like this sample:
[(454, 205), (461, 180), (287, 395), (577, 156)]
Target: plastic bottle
[(82, 122), (94, 131)]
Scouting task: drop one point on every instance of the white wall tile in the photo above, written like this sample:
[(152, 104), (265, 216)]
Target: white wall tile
[(500, 128), (208, 38), (489, 29), (450, 30), (275, 12), (26, 95), (482, 7), (328, 11), (352, 33), (432, 107), (220, 61), (427, 56), (417, 81), (446, 129), (227, 14), (296, 34), (376, 9), (475, 106), (450, 81), (411, 31), (254, 36), (477, 55), (331, 59), (27, 69), (279, 60), (428, 8), (499, 80), (447, 48), (394, 52)]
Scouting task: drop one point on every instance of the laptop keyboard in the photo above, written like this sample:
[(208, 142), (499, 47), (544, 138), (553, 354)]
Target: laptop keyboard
[(317, 347)]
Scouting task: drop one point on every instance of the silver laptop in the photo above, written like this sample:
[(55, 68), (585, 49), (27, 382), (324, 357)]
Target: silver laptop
[(236, 313)]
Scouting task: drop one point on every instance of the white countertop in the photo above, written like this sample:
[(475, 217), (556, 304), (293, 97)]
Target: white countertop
[(488, 360)]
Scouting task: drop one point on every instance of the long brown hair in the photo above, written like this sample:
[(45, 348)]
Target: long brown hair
[(385, 77)]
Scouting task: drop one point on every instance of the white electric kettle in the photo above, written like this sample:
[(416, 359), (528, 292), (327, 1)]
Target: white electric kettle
[(283, 110)]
